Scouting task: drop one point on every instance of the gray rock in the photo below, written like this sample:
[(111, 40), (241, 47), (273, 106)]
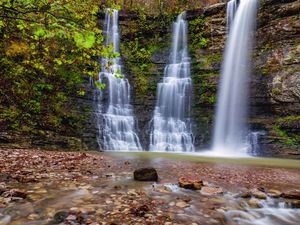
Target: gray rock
[(145, 174)]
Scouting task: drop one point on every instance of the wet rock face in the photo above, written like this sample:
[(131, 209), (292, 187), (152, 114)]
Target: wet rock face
[(275, 81), (145, 174)]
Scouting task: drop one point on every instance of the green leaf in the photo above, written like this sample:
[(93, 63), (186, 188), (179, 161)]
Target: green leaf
[(89, 40), (40, 32), (85, 39), (78, 38), (81, 92), (100, 85)]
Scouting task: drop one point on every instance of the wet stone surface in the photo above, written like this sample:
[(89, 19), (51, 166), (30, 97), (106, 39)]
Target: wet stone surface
[(39, 187)]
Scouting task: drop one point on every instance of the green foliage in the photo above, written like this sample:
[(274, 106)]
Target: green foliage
[(197, 28), (289, 119), (46, 46), (276, 91), (209, 61), (288, 139), (207, 88), (112, 4), (100, 85), (138, 52)]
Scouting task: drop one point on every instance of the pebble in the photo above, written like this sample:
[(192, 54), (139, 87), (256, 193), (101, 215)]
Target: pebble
[(254, 203), (274, 193), (99, 211), (181, 204), (41, 191), (33, 216), (71, 217), (258, 194), (171, 203), (211, 190)]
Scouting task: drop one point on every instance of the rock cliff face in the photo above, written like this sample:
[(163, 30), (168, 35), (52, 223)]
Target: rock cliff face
[(276, 79), (275, 86), (145, 43)]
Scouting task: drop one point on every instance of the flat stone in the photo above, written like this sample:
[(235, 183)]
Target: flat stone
[(293, 194), (15, 193), (71, 217), (295, 204), (41, 191), (246, 194), (254, 203), (258, 194), (211, 190), (33, 217), (188, 183), (274, 193), (171, 203), (182, 204), (145, 174)]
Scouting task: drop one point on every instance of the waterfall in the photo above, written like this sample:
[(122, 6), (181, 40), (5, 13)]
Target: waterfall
[(116, 123), (171, 126), (230, 129), (253, 140), (231, 9)]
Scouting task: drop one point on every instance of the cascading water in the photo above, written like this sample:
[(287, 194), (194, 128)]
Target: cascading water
[(253, 139), (230, 125), (231, 10), (271, 211), (171, 127), (116, 123)]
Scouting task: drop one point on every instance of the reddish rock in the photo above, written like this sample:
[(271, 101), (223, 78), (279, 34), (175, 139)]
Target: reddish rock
[(188, 183), (211, 190)]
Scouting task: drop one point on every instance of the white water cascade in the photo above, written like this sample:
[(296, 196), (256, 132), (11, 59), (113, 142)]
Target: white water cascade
[(230, 129), (116, 123), (171, 127), (230, 11)]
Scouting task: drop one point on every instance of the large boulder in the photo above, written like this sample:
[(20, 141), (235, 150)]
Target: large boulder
[(145, 174)]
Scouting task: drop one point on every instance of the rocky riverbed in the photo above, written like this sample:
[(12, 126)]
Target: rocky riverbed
[(52, 187)]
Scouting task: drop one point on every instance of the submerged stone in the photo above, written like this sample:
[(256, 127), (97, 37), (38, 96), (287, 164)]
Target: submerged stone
[(258, 194), (294, 194), (211, 190), (274, 193), (182, 204), (254, 203), (145, 174), (295, 204), (14, 193), (60, 217)]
